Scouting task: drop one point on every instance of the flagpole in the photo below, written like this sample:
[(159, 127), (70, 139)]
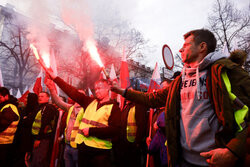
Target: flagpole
[(150, 131), (153, 85)]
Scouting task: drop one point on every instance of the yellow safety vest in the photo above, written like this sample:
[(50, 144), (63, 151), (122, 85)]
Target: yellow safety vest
[(131, 125), (75, 127), (241, 113), (95, 118), (36, 126), (7, 136)]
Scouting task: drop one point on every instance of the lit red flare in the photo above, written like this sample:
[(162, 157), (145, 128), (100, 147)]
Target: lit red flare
[(45, 61), (90, 44), (35, 51), (93, 52)]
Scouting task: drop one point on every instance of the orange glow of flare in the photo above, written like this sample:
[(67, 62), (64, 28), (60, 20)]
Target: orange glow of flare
[(46, 59), (35, 51), (93, 52)]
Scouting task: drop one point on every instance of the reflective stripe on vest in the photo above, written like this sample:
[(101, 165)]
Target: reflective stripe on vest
[(131, 125), (7, 136), (36, 126), (95, 118), (75, 127), (241, 113)]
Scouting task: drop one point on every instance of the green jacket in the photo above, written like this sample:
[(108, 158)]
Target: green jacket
[(170, 98)]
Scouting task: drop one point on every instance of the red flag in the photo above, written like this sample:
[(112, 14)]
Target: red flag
[(153, 86), (23, 97), (143, 85), (38, 84), (112, 76), (155, 80), (124, 77), (102, 76)]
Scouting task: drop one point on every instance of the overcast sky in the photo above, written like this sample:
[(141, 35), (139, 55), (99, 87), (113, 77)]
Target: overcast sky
[(160, 21)]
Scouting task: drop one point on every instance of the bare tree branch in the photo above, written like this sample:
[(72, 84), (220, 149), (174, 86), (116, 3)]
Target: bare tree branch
[(228, 23)]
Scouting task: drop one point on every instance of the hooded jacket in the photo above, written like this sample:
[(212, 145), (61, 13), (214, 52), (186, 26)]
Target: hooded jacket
[(198, 121), (226, 136)]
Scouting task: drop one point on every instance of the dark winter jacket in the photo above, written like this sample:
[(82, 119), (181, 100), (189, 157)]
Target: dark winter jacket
[(7, 116), (224, 108)]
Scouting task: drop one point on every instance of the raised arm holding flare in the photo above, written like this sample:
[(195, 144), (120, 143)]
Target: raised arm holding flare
[(99, 124)]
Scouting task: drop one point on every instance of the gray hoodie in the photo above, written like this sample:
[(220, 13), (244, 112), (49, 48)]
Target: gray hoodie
[(198, 123)]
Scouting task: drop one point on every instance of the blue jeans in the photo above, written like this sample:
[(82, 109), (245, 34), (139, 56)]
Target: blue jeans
[(70, 156)]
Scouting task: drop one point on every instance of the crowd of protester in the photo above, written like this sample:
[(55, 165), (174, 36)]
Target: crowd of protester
[(94, 131)]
